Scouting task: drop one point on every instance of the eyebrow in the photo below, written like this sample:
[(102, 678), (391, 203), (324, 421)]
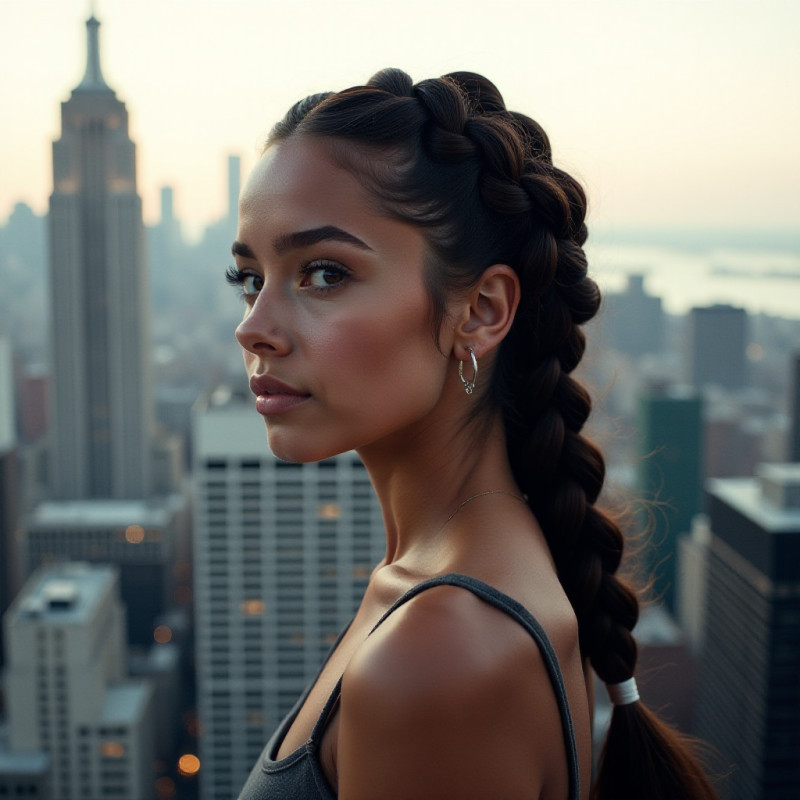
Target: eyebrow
[(293, 241), (241, 249), (327, 233)]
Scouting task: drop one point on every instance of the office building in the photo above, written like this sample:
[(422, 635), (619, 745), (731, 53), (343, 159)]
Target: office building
[(794, 410), (715, 346), (633, 321), (234, 181), (77, 726), (219, 235), (101, 410), (692, 583), (669, 478), (144, 539), (748, 705), (32, 411), (9, 484), (283, 553)]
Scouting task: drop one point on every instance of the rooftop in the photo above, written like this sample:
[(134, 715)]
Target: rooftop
[(125, 703), (769, 500), (101, 514), (63, 594)]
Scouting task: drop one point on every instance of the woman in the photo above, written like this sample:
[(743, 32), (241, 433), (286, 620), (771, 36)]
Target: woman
[(414, 283)]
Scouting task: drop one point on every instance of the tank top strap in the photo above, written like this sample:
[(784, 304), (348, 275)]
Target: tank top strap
[(519, 613)]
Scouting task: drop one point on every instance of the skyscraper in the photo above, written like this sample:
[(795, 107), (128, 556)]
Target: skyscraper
[(633, 320), (283, 553), (69, 699), (9, 483), (715, 348), (748, 705), (794, 409), (101, 388), (234, 180), (144, 539), (669, 476)]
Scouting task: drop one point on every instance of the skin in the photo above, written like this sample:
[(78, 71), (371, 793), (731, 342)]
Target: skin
[(449, 698)]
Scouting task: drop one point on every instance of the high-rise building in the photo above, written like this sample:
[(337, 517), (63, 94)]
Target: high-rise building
[(748, 705), (8, 436), (633, 320), (113, 498), (669, 477), (283, 553), (9, 483), (794, 410), (234, 180), (715, 347), (143, 538), (77, 724), (219, 235), (101, 411)]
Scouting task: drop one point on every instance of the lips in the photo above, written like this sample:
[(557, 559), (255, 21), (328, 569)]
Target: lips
[(274, 396)]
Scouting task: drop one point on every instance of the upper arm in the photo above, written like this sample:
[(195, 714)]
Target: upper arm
[(449, 698)]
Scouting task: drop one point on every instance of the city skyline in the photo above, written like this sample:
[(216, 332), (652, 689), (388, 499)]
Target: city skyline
[(282, 552), (672, 114)]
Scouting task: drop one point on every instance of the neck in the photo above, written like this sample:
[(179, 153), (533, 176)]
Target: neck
[(423, 479)]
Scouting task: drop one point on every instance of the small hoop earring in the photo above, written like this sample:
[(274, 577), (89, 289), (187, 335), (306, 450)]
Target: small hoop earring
[(469, 386)]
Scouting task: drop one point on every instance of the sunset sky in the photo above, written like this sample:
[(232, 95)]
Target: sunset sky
[(674, 113)]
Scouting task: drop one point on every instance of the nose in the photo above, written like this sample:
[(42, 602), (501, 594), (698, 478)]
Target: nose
[(261, 330)]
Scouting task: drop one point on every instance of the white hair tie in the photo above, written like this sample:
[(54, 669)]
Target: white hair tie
[(623, 694)]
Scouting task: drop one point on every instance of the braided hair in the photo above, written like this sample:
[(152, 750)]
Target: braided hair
[(446, 155)]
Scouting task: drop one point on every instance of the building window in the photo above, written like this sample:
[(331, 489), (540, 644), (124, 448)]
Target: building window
[(111, 749)]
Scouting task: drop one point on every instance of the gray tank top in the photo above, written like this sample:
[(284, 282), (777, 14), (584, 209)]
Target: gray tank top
[(299, 775)]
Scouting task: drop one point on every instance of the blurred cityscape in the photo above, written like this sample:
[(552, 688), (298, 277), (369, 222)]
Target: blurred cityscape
[(168, 587)]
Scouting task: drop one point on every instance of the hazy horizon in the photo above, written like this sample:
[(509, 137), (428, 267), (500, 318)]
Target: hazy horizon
[(674, 114)]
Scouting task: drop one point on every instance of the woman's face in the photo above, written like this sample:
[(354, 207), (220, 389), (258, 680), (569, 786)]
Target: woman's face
[(336, 333)]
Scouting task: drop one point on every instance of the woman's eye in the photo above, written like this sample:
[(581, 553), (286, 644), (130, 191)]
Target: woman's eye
[(248, 283), (251, 284), (323, 275)]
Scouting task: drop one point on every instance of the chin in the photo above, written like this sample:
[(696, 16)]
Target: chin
[(300, 450)]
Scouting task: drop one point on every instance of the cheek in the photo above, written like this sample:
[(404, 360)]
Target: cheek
[(385, 355)]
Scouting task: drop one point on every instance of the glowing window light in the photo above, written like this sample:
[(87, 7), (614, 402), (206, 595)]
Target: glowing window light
[(162, 634), (253, 607), (112, 749), (134, 534), (188, 764), (329, 511)]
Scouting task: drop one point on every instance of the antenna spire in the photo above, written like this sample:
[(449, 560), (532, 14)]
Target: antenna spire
[(93, 79)]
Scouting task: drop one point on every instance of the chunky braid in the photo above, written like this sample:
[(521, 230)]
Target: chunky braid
[(560, 471), (446, 155)]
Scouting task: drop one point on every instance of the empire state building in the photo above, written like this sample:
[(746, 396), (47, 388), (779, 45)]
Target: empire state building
[(101, 417)]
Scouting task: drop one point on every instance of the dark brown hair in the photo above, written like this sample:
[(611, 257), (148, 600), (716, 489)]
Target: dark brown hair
[(446, 155)]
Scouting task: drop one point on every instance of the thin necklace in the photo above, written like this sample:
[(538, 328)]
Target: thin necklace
[(483, 494)]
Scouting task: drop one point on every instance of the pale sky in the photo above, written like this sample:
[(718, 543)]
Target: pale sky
[(674, 113)]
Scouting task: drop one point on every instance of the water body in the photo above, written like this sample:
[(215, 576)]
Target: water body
[(758, 271)]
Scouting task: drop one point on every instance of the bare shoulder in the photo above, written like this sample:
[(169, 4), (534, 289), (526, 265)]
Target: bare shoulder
[(449, 698)]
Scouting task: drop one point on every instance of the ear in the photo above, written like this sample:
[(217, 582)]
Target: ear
[(487, 312)]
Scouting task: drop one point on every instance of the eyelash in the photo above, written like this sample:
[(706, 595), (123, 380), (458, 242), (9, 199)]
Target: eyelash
[(322, 265), (238, 278)]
